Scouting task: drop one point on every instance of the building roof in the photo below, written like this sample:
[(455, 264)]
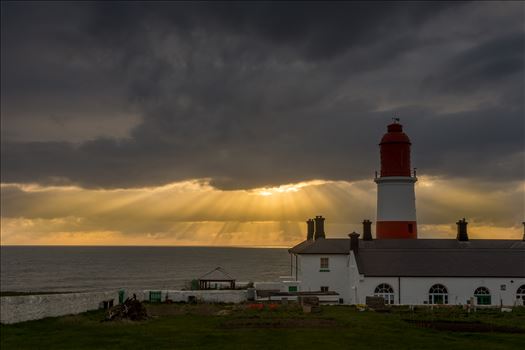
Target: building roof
[(218, 274), (428, 257)]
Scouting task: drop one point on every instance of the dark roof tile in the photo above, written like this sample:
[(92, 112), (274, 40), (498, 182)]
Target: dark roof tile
[(428, 257)]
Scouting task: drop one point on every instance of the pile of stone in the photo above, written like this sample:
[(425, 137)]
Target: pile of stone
[(309, 304), (376, 304), (131, 309)]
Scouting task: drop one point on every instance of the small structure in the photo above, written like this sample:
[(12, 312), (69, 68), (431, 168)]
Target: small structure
[(218, 275)]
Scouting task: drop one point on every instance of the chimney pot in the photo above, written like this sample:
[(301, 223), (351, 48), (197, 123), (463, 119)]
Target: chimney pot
[(354, 242), (311, 229), (462, 235), (367, 230), (319, 227)]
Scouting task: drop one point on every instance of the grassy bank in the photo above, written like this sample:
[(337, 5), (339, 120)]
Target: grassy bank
[(233, 327)]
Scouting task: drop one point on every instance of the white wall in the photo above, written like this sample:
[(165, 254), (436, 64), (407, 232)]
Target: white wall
[(396, 200), (345, 279), (33, 307), (336, 279), (414, 290), (208, 296)]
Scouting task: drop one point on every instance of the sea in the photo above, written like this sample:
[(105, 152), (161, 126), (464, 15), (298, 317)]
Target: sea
[(96, 268)]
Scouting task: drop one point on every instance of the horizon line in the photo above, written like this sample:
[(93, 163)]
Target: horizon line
[(145, 245)]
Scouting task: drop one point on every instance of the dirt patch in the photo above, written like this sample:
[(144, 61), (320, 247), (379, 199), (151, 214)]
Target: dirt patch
[(462, 326), (279, 323), (164, 310), (182, 309), (72, 319), (224, 312)]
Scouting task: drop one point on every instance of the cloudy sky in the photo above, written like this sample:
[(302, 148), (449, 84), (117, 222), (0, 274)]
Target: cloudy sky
[(232, 123)]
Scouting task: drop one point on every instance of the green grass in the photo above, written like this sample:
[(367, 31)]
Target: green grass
[(198, 327)]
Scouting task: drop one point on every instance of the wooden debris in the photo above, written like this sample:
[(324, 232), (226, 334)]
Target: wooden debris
[(131, 309)]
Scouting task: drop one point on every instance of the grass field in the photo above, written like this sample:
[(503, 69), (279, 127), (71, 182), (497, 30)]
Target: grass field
[(237, 327)]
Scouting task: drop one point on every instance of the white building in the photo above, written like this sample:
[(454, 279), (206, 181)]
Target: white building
[(398, 266), (414, 271)]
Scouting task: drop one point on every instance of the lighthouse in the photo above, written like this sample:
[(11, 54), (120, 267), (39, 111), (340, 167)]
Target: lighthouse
[(396, 200)]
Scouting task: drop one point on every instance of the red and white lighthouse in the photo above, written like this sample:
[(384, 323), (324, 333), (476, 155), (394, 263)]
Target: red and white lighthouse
[(396, 200)]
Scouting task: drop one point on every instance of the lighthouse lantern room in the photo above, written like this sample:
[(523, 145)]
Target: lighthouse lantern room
[(396, 201)]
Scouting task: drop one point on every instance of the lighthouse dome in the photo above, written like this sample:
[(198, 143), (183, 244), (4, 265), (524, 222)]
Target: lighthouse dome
[(395, 134), (395, 152)]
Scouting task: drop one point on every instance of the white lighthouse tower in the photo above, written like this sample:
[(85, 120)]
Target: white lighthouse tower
[(396, 200)]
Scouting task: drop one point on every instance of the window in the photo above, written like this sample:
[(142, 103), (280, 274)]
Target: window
[(292, 289), (324, 289), (325, 264), (482, 295), (438, 294), (520, 295), (386, 291)]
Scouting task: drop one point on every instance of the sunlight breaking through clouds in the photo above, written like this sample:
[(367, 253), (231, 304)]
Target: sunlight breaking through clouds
[(219, 131), (268, 191), (195, 213)]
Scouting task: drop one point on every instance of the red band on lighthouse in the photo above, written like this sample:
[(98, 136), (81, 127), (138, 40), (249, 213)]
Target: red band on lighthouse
[(396, 202), (396, 229)]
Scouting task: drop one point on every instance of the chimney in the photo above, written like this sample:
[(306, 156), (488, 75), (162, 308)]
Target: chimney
[(354, 242), (367, 230), (311, 229), (462, 230), (319, 227)]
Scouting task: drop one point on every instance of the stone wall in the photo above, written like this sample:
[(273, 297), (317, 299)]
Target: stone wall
[(33, 307)]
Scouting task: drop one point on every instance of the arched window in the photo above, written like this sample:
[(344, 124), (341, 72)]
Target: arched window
[(520, 295), (386, 291), (438, 294), (482, 295)]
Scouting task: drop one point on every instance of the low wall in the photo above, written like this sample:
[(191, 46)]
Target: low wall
[(268, 285), (33, 307), (206, 296)]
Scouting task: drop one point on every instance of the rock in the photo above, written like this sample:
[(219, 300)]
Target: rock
[(376, 303)]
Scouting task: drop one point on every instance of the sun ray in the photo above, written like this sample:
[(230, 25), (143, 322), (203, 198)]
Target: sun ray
[(193, 212)]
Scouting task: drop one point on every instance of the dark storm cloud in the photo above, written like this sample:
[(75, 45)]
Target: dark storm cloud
[(262, 94), (318, 30), (481, 66)]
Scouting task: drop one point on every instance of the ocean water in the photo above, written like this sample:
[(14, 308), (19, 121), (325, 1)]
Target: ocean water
[(100, 268)]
